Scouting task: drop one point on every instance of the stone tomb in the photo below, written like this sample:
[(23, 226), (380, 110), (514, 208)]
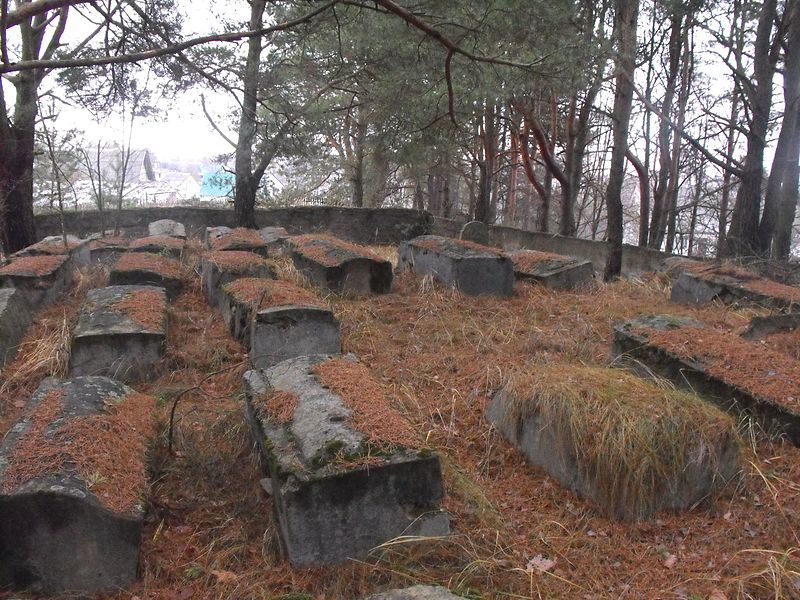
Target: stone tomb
[(662, 449), (275, 239), (279, 319), (347, 471), (739, 375), (167, 227), (146, 268), (40, 279), (14, 321), (107, 250), (160, 244), (762, 326), (554, 271), (338, 266), (240, 238), (729, 284), (472, 268), (224, 266), (70, 519), (53, 245), (121, 333)]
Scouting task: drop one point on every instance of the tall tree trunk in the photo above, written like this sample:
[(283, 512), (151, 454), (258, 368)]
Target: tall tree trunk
[(483, 206), (625, 33)]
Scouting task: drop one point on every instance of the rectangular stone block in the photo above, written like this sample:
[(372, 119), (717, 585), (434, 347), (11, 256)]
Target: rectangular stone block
[(53, 245), (338, 266), (167, 227), (731, 285), (554, 271), (738, 375), (630, 446), (73, 485), (14, 321), (146, 268), (222, 267), (163, 245), (40, 279), (473, 269), (107, 250), (348, 472), (762, 326), (275, 239), (240, 238), (121, 333)]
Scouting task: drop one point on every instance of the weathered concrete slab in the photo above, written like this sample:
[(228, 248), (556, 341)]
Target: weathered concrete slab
[(554, 271), (40, 279), (275, 239), (338, 266), (167, 227), (762, 326), (662, 449), (14, 321), (222, 267), (416, 592), (472, 268), (70, 519), (107, 250), (732, 285), (146, 268), (160, 244), (76, 248), (475, 231), (240, 238), (347, 470), (121, 333), (242, 298), (740, 376)]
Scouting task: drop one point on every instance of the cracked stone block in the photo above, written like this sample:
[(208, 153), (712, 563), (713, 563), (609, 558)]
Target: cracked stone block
[(732, 285), (738, 375), (662, 449), (70, 523), (338, 266), (416, 592), (167, 227), (340, 486), (554, 271), (474, 269), (146, 268), (121, 333), (163, 245), (40, 279), (14, 321), (240, 238), (53, 245), (221, 267), (275, 238), (107, 250)]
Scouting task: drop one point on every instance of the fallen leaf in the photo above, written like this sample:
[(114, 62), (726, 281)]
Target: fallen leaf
[(539, 564), (670, 561)]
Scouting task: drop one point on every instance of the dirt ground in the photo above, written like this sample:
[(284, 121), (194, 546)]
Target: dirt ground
[(440, 355)]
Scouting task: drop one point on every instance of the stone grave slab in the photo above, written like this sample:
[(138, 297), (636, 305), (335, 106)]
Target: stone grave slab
[(146, 268), (731, 285), (763, 325), (167, 227), (71, 520), (339, 266), (275, 239), (554, 271), (661, 449), (40, 279), (164, 245), (121, 333), (240, 238), (740, 376), (53, 245), (223, 266), (472, 268), (416, 592), (347, 471), (14, 321), (107, 250)]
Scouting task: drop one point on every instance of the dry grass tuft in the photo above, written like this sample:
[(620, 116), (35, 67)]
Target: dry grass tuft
[(773, 575)]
